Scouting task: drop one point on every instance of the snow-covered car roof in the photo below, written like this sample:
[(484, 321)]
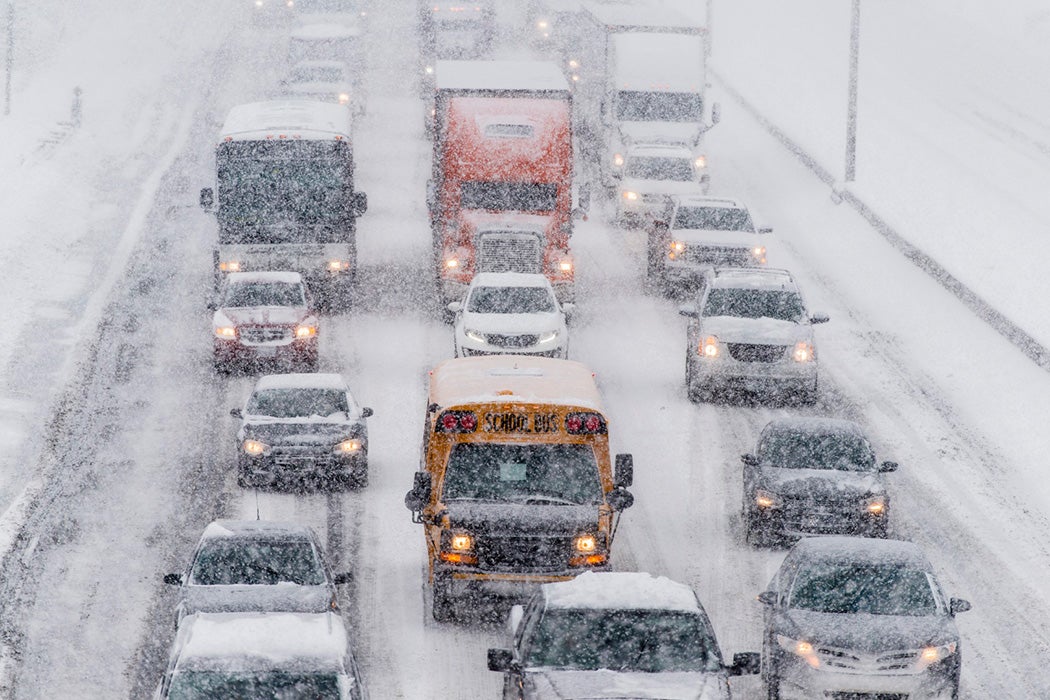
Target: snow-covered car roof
[(753, 278), (690, 200), (499, 76), (659, 150), (302, 380), (513, 378), (282, 277), (322, 31), (861, 549), (221, 529), (262, 641), (302, 119), (509, 279), (616, 590), (815, 425)]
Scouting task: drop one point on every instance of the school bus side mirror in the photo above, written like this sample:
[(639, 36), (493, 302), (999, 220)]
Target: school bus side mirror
[(620, 499), (418, 497), (624, 474)]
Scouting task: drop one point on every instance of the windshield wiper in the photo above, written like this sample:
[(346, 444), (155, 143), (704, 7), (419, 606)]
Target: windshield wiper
[(538, 499)]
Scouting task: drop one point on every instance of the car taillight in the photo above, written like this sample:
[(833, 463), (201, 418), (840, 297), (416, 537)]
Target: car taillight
[(585, 424), (456, 422)]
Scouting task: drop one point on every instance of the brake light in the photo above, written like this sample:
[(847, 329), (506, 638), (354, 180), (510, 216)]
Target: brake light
[(585, 424), (456, 422)]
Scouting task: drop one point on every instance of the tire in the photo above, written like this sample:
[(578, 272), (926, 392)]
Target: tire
[(443, 605), (772, 688)]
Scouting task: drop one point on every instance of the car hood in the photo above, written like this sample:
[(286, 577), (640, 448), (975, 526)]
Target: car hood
[(522, 519), (512, 323), (694, 236), (687, 133), (281, 597), (580, 685), (305, 432), (667, 187), (816, 482), (869, 633), (730, 329), (264, 315)]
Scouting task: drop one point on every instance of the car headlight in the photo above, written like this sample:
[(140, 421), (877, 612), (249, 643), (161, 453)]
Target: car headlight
[(230, 266), (305, 331), (932, 654), (629, 195), (801, 648), (709, 347), (617, 160), (476, 336), (226, 332), (765, 499), (451, 263), (543, 25), (676, 249), (565, 265), (876, 505), (349, 446), (803, 352), (548, 337), (759, 254), (344, 98), (254, 447), (700, 163), (338, 265), (429, 70)]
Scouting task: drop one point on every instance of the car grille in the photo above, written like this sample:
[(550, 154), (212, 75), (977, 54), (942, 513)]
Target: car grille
[(747, 352), (509, 252), (822, 515), (264, 334), (889, 662), (511, 341), (468, 352), (728, 256), (524, 554), (832, 695)]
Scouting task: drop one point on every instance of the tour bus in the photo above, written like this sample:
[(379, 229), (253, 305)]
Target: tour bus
[(517, 487), (285, 196)]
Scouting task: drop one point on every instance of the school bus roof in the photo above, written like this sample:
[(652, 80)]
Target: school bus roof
[(513, 378)]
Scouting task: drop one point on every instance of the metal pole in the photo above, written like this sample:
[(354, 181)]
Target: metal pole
[(707, 39), (10, 61), (851, 112)]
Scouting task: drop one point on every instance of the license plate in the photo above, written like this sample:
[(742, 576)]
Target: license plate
[(266, 351)]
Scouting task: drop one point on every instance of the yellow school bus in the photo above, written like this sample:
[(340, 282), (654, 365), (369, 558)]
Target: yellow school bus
[(516, 486)]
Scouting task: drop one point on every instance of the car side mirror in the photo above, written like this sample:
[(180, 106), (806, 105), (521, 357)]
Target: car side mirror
[(765, 229), (767, 597), (623, 476), (501, 660), (517, 614), (745, 663), (567, 308), (358, 204), (688, 310), (343, 578), (958, 605), (367, 412), (818, 318), (620, 499), (173, 579), (236, 413), (212, 304), (455, 306), (418, 497), (749, 459), (207, 199), (888, 467)]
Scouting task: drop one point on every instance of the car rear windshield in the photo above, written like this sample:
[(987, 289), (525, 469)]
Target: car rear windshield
[(316, 74), (713, 219), (646, 641), (797, 450), (554, 474), (270, 685), (297, 403), (226, 562), (656, 168), (754, 303), (246, 294), (510, 300), (872, 588)]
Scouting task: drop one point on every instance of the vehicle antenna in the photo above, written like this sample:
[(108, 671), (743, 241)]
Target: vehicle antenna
[(257, 505)]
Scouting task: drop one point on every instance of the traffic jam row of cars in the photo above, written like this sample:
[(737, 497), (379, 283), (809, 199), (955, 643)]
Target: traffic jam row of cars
[(518, 495)]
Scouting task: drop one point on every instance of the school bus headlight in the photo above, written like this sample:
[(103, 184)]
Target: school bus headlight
[(349, 447), (226, 332), (548, 337), (344, 98), (254, 447), (305, 331), (586, 544), (230, 266), (461, 542)]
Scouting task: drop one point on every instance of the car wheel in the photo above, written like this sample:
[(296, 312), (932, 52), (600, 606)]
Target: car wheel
[(443, 605), (222, 368), (772, 688)]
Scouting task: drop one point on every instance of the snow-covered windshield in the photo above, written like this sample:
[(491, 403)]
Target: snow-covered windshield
[(509, 196), (646, 641), (256, 561), (248, 294), (297, 402), (637, 106), (268, 685), (754, 303), (713, 219), (510, 300), (872, 588), (800, 450), (552, 473), (316, 74), (658, 168)]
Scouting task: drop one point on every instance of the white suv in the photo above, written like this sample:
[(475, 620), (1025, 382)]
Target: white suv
[(749, 330), (650, 174)]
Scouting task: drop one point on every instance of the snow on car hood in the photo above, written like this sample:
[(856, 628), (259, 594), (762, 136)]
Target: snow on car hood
[(667, 187), (742, 239), (770, 331), (605, 683), (513, 324), (305, 432), (265, 315), (280, 597), (537, 519), (870, 633), (687, 133), (813, 482)]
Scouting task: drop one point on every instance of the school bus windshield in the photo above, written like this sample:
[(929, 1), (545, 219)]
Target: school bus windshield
[(534, 473)]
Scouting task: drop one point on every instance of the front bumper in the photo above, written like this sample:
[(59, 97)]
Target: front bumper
[(287, 467), (796, 522), (766, 377), (799, 681), (296, 352)]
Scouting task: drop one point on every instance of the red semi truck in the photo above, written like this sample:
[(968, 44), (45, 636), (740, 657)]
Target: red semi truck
[(501, 195)]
